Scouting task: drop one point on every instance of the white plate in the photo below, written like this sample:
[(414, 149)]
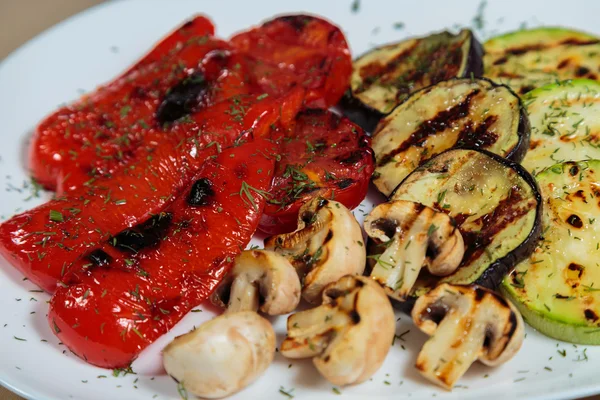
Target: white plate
[(94, 46)]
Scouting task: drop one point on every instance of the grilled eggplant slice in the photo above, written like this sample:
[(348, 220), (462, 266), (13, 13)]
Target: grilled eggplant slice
[(495, 204), (565, 123), (528, 59), (472, 113), (557, 289), (385, 76)]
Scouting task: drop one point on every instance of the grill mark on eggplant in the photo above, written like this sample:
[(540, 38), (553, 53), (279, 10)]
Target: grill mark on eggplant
[(476, 242), (371, 73), (144, 235), (479, 136), (438, 123)]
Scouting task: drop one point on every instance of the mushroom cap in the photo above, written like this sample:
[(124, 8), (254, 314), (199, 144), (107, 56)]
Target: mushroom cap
[(260, 279), (414, 236), (349, 335), (467, 323), (327, 245), (222, 356)]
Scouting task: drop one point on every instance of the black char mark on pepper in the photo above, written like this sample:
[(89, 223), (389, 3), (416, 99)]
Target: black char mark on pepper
[(201, 193), (183, 98), (100, 258), (144, 235)]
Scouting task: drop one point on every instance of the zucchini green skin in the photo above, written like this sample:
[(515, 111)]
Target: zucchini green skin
[(492, 274), (456, 113), (556, 288), (410, 72), (565, 121), (528, 59)]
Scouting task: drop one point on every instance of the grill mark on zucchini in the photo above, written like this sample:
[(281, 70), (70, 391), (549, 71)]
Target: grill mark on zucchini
[(430, 127), (517, 51)]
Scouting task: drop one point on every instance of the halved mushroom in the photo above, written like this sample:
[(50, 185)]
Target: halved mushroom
[(224, 355), (326, 246), (466, 323), (349, 335), (260, 280), (414, 237)]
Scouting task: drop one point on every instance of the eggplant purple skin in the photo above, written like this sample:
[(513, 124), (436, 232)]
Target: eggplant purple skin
[(367, 117), (497, 270)]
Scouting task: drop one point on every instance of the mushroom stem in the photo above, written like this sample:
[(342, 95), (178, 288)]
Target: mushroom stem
[(243, 297), (456, 346), (414, 237), (466, 323), (326, 246), (349, 335)]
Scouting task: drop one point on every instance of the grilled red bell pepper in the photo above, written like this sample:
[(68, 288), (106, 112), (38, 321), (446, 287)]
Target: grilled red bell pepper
[(120, 299), (99, 133), (298, 50), (45, 241), (322, 154)]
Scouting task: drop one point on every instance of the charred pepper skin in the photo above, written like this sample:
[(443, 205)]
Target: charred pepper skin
[(108, 314)]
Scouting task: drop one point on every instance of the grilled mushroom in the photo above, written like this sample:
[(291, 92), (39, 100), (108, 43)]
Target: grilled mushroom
[(414, 236), (326, 246), (260, 280), (228, 353), (466, 323), (348, 336), (223, 355)]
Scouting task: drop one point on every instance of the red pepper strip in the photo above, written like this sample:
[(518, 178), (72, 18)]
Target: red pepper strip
[(198, 25), (43, 243), (108, 314), (298, 50), (322, 154), (100, 132)]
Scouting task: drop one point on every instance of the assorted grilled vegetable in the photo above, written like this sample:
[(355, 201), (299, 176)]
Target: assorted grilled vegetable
[(320, 155), (108, 312), (466, 324), (414, 237), (565, 123), (528, 59), (474, 113), (165, 173), (224, 355), (494, 203), (557, 287), (326, 246), (348, 336), (384, 77)]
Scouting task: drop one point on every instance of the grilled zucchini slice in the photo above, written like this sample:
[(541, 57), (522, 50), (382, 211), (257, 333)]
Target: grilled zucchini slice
[(495, 204), (473, 113), (557, 289), (527, 59), (565, 123), (385, 76)]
